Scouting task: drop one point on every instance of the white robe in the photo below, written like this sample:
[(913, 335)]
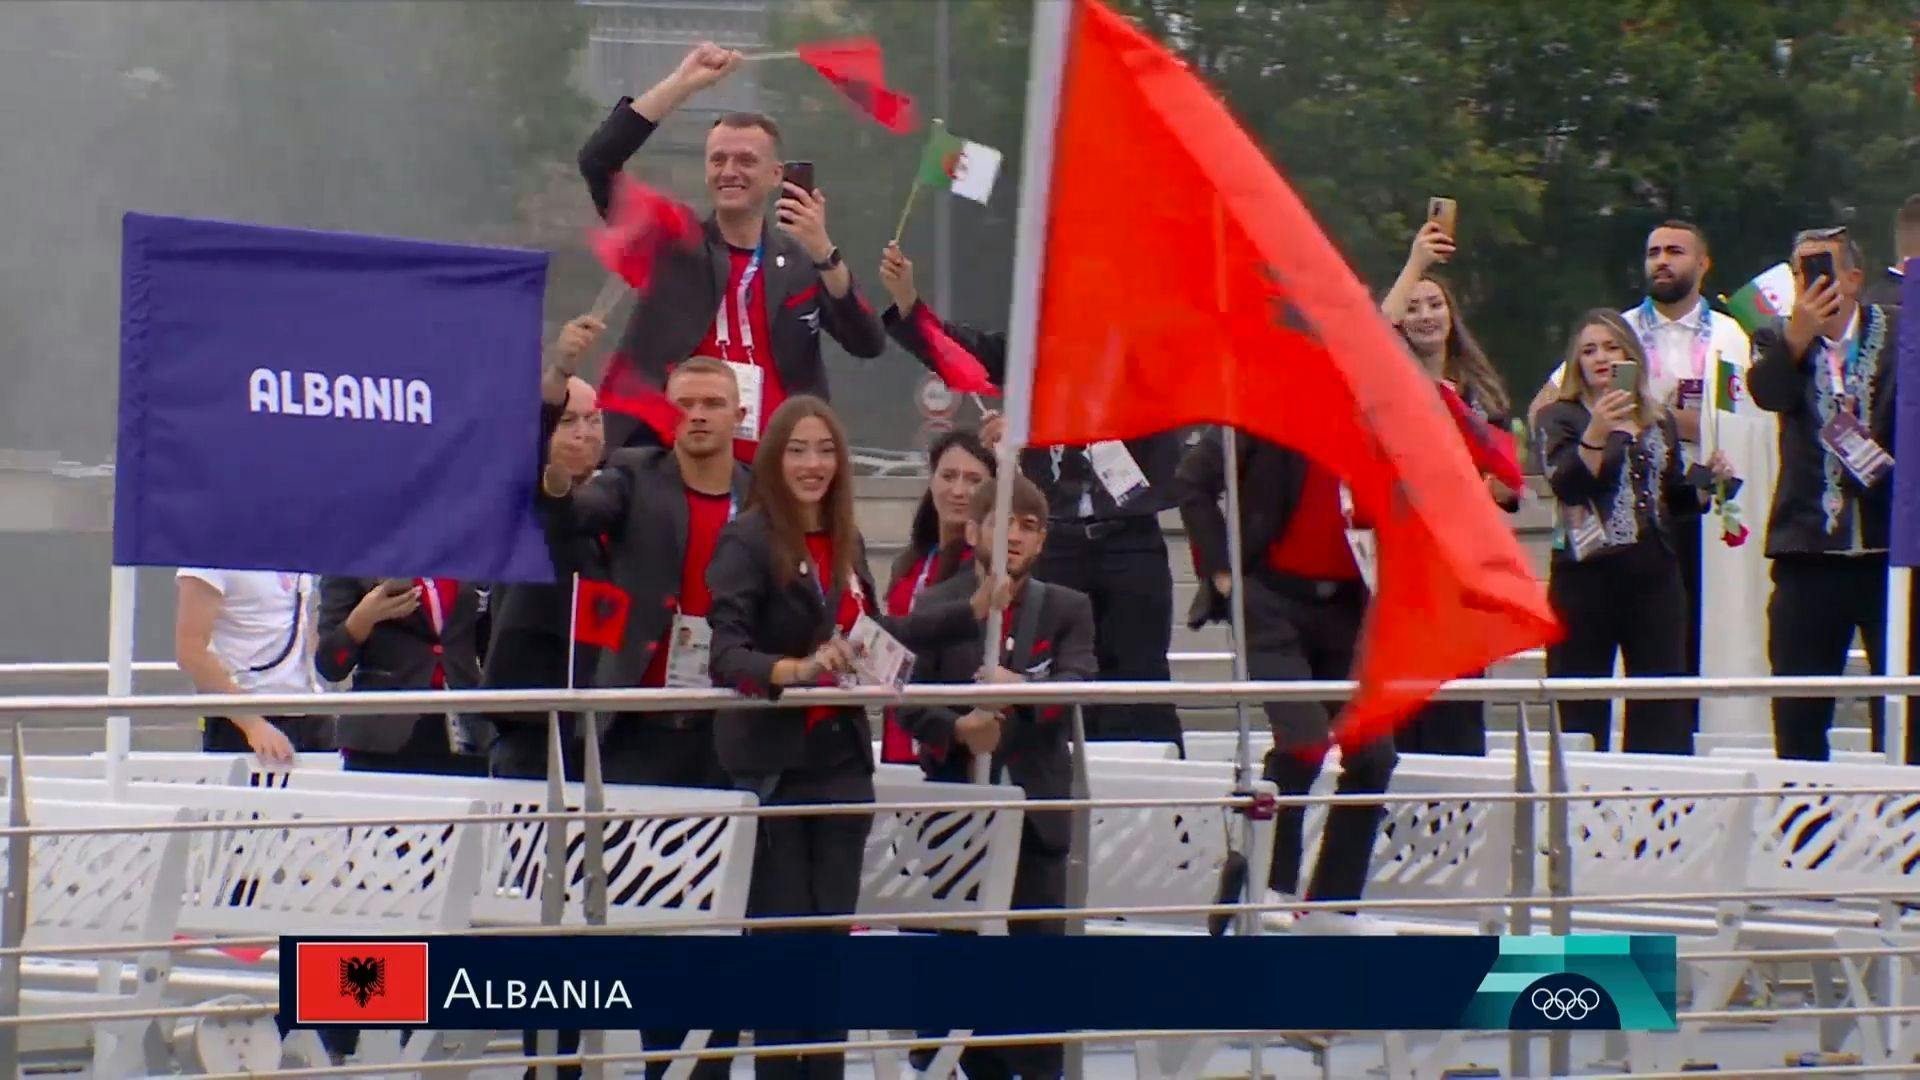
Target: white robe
[(1734, 581)]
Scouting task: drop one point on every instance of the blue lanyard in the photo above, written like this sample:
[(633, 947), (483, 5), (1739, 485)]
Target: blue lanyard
[(926, 572), (722, 330)]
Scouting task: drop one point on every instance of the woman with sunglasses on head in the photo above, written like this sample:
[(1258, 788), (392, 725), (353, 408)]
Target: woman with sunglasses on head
[(958, 462), (1613, 459), (1428, 317), (789, 581)]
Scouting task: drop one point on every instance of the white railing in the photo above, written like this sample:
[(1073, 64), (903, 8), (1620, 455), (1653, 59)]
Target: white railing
[(1518, 691)]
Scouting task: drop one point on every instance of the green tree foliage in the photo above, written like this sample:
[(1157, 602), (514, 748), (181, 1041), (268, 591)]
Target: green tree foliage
[(1565, 128)]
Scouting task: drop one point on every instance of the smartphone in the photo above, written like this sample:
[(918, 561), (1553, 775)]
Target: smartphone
[(1443, 212), (1815, 266), (799, 172), (1626, 376)]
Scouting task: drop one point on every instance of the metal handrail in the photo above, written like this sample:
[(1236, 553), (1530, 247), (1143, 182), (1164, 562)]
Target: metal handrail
[(74, 669), (935, 919), (924, 694)]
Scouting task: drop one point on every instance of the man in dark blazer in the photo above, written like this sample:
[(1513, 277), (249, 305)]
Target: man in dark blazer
[(793, 278), (1306, 599), (1105, 544), (661, 512), (1831, 365), (1049, 631), (1051, 628), (401, 635), (531, 621)]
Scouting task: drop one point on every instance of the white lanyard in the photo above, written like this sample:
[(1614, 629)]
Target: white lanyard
[(722, 322)]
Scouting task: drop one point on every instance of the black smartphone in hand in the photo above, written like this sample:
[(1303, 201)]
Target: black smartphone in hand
[(1814, 267), (801, 173)]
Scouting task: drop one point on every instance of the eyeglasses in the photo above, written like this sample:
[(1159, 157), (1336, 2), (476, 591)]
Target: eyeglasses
[(1814, 236)]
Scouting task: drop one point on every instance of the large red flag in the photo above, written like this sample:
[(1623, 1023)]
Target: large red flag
[(1185, 283)]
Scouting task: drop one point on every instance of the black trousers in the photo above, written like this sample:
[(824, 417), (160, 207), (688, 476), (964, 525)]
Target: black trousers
[(519, 752), (308, 734), (669, 750), (1818, 602), (1687, 540), (1039, 882), (808, 866), (1446, 727), (1308, 630), (425, 751), (666, 749), (1121, 566), (1630, 603)]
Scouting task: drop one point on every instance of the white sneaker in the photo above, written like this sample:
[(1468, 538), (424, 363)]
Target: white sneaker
[(1341, 922), (1278, 918)]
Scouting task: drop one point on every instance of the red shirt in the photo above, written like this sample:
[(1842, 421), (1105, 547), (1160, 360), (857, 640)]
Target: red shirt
[(706, 516), (1314, 544), (760, 355), (446, 591), (820, 550)]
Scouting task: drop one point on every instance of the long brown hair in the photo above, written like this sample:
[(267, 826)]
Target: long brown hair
[(1573, 378), (1464, 363), (925, 532), (771, 496)]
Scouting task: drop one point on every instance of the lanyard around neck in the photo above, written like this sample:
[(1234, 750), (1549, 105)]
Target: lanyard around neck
[(723, 322)]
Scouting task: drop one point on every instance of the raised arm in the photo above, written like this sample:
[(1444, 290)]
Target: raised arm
[(1430, 245), (913, 324), (632, 121)]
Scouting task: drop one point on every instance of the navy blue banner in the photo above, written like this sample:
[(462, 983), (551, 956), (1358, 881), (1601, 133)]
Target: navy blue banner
[(308, 401), (941, 982)]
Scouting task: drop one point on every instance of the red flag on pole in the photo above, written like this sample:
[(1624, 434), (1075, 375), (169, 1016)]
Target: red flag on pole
[(1221, 302), (601, 617), (959, 369), (643, 225), (855, 68)]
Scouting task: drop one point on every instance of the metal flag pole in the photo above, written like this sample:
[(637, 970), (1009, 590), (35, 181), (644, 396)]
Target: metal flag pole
[(1237, 616), (1243, 725), (1520, 917), (120, 607), (1078, 868), (1046, 65), (1899, 640), (595, 849)]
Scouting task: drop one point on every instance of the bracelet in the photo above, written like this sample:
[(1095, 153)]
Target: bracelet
[(1585, 445)]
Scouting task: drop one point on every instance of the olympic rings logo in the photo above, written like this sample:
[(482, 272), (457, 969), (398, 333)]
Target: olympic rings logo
[(1565, 1004)]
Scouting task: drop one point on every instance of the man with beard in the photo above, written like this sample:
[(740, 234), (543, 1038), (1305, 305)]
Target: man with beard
[(1684, 339)]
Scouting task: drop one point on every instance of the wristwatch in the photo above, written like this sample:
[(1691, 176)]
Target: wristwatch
[(832, 260)]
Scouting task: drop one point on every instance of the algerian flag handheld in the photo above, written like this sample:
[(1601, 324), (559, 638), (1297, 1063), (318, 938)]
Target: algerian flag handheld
[(1764, 299), (967, 169)]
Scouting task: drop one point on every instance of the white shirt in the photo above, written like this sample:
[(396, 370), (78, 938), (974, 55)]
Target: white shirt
[(259, 611), (1833, 358), (1670, 351)]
